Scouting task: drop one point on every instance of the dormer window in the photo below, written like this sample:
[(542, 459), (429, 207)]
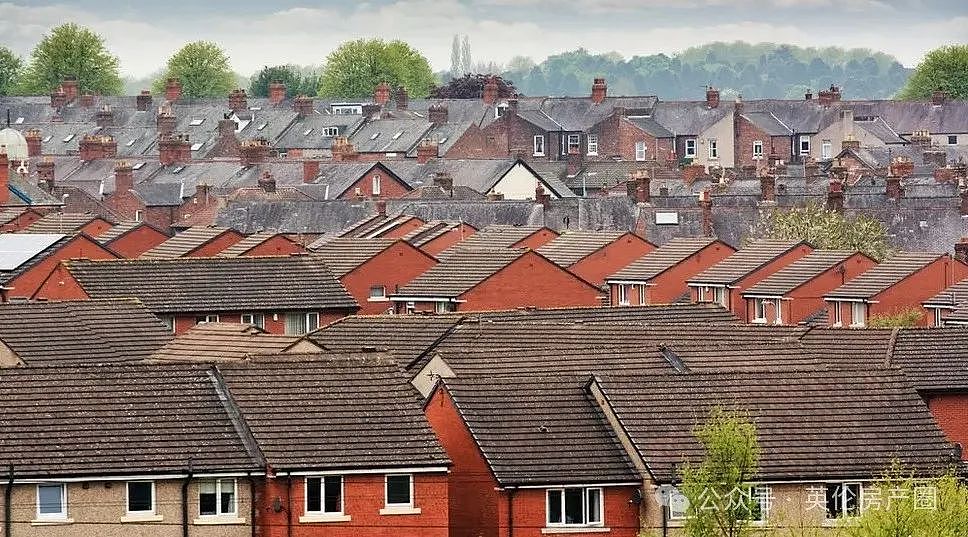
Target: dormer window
[(500, 110), (331, 131)]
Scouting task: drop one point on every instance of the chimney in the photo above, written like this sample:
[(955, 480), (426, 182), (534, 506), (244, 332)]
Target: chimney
[(174, 149), (768, 186), (87, 99), (371, 110), (936, 157), (894, 189), (426, 151), (901, 167), (807, 96), (4, 176), (835, 196), (343, 150), (303, 105), (97, 147), (706, 206), (310, 170), (828, 96), (712, 97), (847, 122), (173, 90), (939, 97), (123, 177), (401, 98), (58, 98), (70, 88), (920, 138), (490, 91), (961, 250), (104, 117), (254, 151), (45, 174), (963, 192), (34, 143), (574, 162), (851, 143), (143, 101), (495, 196), (437, 114), (599, 90), (542, 197), (639, 186), (165, 120), (445, 182), (381, 95), (267, 182), (277, 92), (238, 100)]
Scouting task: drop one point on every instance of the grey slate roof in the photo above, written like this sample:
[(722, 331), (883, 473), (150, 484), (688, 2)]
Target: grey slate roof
[(744, 261), (799, 272), (879, 278), (662, 259), (459, 271), (768, 123), (390, 135)]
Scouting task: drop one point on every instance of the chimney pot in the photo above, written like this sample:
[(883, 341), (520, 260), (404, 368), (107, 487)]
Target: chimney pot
[(706, 207), (123, 177), (835, 196), (381, 95), (165, 120), (542, 197), (426, 150), (34, 142), (45, 174), (574, 162), (87, 99), (437, 114), (277, 92), (174, 149), (768, 186), (255, 151), (599, 90), (70, 88), (828, 96), (238, 100), (401, 98), (712, 97), (303, 105), (58, 98), (310, 170), (267, 182), (173, 90), (639, 186), (343, 150), (104, 117), (143, 101)]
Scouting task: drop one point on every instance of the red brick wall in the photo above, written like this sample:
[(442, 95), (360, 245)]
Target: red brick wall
[(22, 221), (96, 227), (27, 283), (530, 517), (746, 133), (671, 284), (125, 204), (390, 188), (363, 497), (160, 217), (509, 135), (537, 239), (277, 325), (448, 239), (279, 245), (613, 257), (216, 245), (950, 410), (137, 241), (392, 268), (617, 136), (917, 288), (531, 280), (60, 285)]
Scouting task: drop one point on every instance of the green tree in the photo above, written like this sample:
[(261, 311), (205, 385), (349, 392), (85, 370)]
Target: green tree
[(292, 76), (904, 318), (721, 503), (10, 66), (829, 230), (357, 67), (944, 69), (203, 69), (71, 50)]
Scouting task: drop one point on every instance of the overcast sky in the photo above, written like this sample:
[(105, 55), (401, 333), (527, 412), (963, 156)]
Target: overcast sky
[(270, 32)]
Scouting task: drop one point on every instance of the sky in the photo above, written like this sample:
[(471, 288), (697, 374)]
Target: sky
[(271, 32)]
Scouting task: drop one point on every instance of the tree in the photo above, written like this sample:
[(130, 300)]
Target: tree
[(71, 50), (10, 66), (456, 69), (202, 67), (904, 318), (829, 229), (465, 56), (721, 501), (357, 67), (944, 69), (292, 76), (472, 87)]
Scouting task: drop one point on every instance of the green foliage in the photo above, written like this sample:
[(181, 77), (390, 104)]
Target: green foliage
[(71, 50), (945, 69), (716, 508), (357, 67), (10, 66), (905, 318), (829, 230), (203, 69), (764, 70), (297, 83)]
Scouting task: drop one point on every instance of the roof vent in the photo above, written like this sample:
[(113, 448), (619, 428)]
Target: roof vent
[(673, 359)]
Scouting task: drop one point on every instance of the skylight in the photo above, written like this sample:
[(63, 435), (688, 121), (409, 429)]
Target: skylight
[(397, 135), (196, 122), (375, 136), (19, 121), (47, 138), (178, 169), (138, 166), (308, 131), (196, 146), (68, 138), (130, 143), (260, 127)]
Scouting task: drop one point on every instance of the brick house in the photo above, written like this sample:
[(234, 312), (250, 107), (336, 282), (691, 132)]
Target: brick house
[(35, 255), (950, 306), (758, 136), (593, 255), (794, 293), (131, 239), (18, 218), (291, 295), (660, 276), (89, 224), (724, 282), (262, 245), (628, 137), (486, 279), (360, 180), (228, 342), (501, 236), (373, 269), (436, 236), (197, 241), (901, 282)]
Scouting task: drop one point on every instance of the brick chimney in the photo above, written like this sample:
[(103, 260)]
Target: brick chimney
[(920, 138), (807, 96), (4, 176), (267, 182), (70, 88), (254, 151), (599, 90), (165, 120), (426, 151), (445, 182), (310, 170), (835, 196), (238, 100), (574, 162), (850, 143), (768, 185), (706, 208), (277, 92), (894, 189), (45, 174), (173, 90), (143, 101), (936, 157), (901, 167), (303, 105), (639, 186), (963, 192), (174, 149), (97, 147), (828, 96), (343, 150), (104, 117), (381, 95), (542, 197), (34, 142), (381, 207), (490, 92), (437, 114), (961, 250), (87, 99), (123, 177), (712, 97), (58, 98), (939, 97), (401, 98)]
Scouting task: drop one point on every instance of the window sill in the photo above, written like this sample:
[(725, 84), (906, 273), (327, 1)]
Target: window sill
[(575, 529), (758, 321), (857, 325), (319, 519), (537, 154), (400, 511), (378, 299), (217, 520), (51, 521), (138, 519)]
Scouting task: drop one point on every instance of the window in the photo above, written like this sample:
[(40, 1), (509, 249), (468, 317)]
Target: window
[(640, 151), (843, 500), (330, 131), (206, 319), (826, 149), (539, 142), (51, 501), (592, 144), (574, 142), (757, 149), (641, 289), (762, 305), (758, 499), (713, 294), (838, 314), (138, 216), (378, 292), (256, 319), (938, 321), (298, 324), (574, 507), (690, 148), (141, 497), (952, 139), (324, 495), (623, 294), (216, 498), (804, 144), (346, 109), (376, 185), (713, 148), (443, 307), (500, 110), (399, 490), (858, 314), (169, 321), (410, 307)]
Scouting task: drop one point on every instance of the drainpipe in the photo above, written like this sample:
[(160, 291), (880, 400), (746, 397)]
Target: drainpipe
[(289, 507), (184, 499), (251, 503), (7, 509), (511, 512)]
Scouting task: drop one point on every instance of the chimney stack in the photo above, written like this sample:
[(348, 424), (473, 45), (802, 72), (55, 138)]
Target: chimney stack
[(173, 90), (97, 147), (277, 92), (901, 167), (490, 93), (238, 100), (445, 182), (542, 197), (104, 117), (426, 150), (828, 96), (712, 97), (961, 250), (599, 90), (45, 174), (835, 196), (401, 98), (4, 176), (381, 95), (706, 207), (165, 120), (574, 162), (371, 110), (343, 150), (939, 97), (850, 143), (34, 142), (87, 99), (807, 96), (174, 149), (639, 186), (936, 157), (303, 105), (143, 101), (123, 177), (70, 88), (437, 114), (267, 182), (920, 138), (310, 170), (894, 189), (254, 151), (58, 98), (963, 192), (768, 185)]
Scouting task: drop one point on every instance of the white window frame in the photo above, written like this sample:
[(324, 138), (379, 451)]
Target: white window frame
[(500, 110), (169, 321), (938, 320), (858, 310), (804, 145), (623, 294), (538, 145), (574, 141), (759, 310), (843, 499), (838, 314), (322, 496), (386, 492), (330, 131), (218, 498), (376, 182), (690, 149), (138, 215), (757, 149), (410, 307), (592, 145), (309, 326), (826, 149), (127, 499), (443, 307), (641, 288), (381, 297), (255, 319), (60, 515), (641, 150), (713, 145), (208, 318), (584, 508)]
